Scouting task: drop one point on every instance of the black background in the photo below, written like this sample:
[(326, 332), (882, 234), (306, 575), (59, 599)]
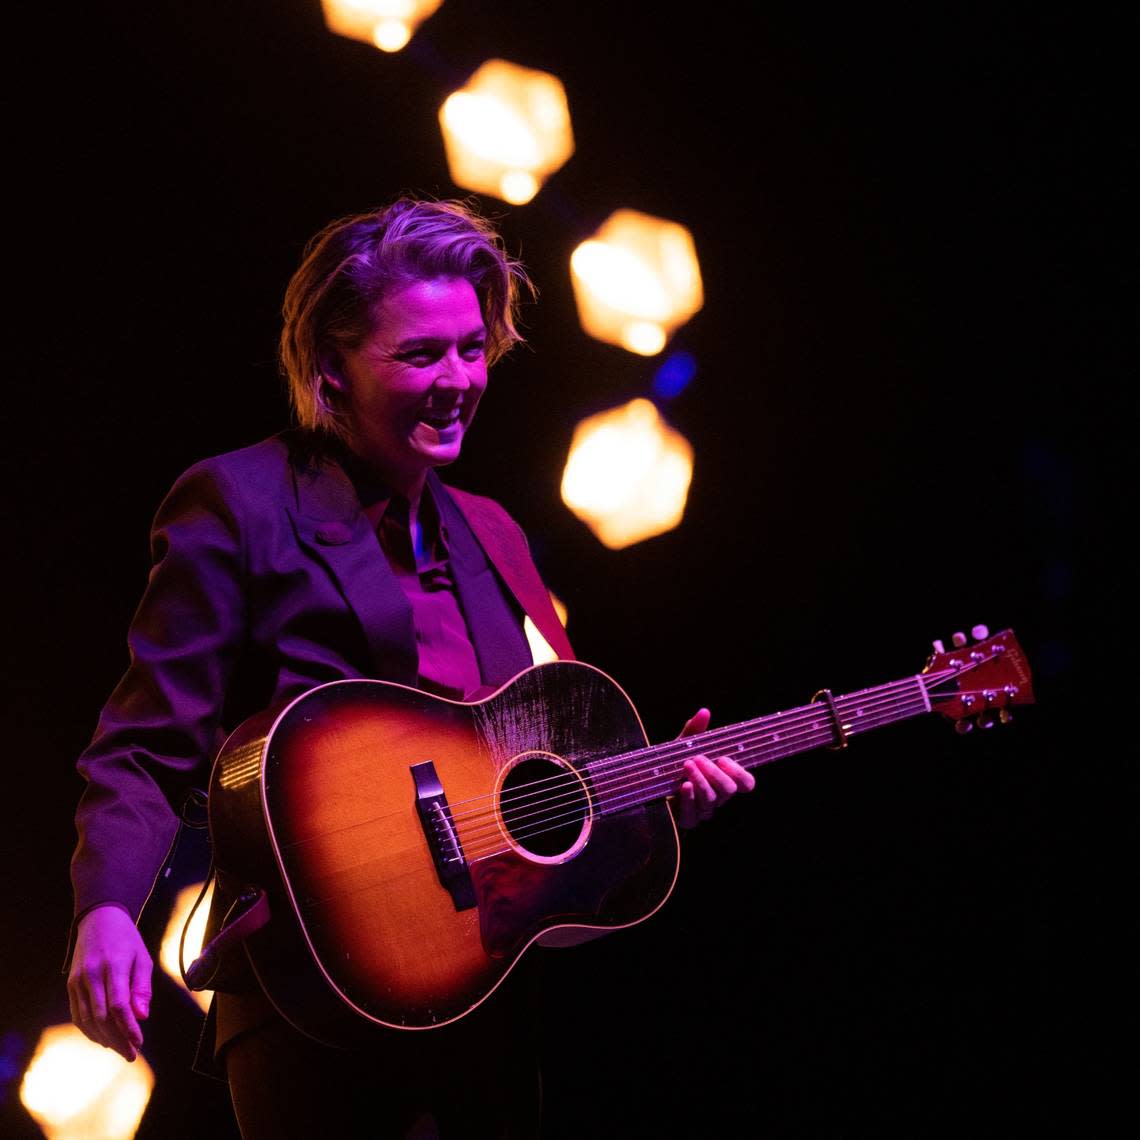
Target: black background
[(895, 211)]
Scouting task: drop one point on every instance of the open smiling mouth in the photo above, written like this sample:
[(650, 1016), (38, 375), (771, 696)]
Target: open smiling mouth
[(440, 420)]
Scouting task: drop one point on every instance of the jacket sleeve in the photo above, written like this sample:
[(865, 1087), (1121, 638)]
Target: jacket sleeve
[(155, 736)]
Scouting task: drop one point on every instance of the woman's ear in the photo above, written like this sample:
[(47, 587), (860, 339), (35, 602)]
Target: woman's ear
[(332, 369)]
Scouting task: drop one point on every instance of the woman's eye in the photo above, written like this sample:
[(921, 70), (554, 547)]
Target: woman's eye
[(423, 357)]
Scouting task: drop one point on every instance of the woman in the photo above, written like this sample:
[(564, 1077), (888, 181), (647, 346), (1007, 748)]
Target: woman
[(328, 552)]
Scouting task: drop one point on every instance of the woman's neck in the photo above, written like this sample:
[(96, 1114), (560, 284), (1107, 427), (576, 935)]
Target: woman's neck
[(408, 485)]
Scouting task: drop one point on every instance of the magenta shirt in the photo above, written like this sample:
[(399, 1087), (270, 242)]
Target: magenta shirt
[(448, 665)]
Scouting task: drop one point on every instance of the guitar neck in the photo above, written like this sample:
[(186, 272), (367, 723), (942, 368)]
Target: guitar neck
[(639, 777)]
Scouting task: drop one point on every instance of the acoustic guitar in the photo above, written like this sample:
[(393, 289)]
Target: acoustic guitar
[(410, 849)]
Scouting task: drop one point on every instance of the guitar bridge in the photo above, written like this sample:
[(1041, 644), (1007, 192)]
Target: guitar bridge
[(443, 842)]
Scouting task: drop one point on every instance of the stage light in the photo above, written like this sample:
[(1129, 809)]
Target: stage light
[(386, 24), (77, 1090), (636, 280), (168, 954), (540, 649), (628, 473), (506, 131)]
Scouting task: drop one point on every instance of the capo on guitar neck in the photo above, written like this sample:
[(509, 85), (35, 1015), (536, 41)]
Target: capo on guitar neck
[(825, 696)]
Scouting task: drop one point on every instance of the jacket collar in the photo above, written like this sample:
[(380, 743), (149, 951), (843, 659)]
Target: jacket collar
[(331, 523)]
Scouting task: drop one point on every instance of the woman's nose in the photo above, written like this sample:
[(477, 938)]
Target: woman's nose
[(453, 372)]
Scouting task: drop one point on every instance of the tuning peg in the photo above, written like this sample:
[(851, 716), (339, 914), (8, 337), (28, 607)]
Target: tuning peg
[(1005, 716), (979, 633), (938, 646), (963, 726), (985, 720), (959, 639)]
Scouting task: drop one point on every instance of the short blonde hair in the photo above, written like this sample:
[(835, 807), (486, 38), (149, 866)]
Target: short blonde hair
[(350, 265)]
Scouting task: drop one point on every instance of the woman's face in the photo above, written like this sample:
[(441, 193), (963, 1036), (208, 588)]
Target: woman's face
[(413, 385)]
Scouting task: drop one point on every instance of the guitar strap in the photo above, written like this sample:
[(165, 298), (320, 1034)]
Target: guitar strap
[(249, 912), (491, 613), (506, 547)]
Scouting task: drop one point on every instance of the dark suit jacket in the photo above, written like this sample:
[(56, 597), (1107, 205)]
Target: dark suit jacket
[(267, 580)]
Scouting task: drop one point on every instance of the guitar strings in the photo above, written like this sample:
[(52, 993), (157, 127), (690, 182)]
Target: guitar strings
[(731, 734), (861, 706), (801, 729), (621, 791), (621, 781), (794, 717), (625, 780)]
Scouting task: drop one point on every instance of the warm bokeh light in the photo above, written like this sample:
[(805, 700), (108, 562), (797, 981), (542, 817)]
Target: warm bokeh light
[(541, 649), (506, 131), (636, 280), (77, 1090), (628, 473), (386, 24), (169, 950)]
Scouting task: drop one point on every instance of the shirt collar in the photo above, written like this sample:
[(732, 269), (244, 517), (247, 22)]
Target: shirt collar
[(376, 496)]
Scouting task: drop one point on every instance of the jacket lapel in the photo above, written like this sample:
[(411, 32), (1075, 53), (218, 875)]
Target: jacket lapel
[(505, 545), (333, 529), (498, 638)]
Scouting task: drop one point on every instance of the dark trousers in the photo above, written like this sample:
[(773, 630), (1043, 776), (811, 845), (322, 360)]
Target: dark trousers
[(470, 1082)]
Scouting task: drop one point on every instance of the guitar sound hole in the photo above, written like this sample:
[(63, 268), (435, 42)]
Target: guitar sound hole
[(544, 806)]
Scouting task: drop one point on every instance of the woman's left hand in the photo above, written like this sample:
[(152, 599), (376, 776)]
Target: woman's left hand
[(707, 784)]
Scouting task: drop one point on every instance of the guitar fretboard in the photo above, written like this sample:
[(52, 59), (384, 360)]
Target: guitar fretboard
[(634, 778)]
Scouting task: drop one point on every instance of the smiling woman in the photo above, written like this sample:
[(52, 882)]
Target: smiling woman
[(331, 552), (353, 264), (410, 390)]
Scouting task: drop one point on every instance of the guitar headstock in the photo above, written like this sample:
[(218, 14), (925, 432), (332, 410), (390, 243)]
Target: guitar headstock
[(975, 684)]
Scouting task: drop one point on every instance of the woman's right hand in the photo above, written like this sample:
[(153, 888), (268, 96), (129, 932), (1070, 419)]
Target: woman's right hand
[(109, 984)]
